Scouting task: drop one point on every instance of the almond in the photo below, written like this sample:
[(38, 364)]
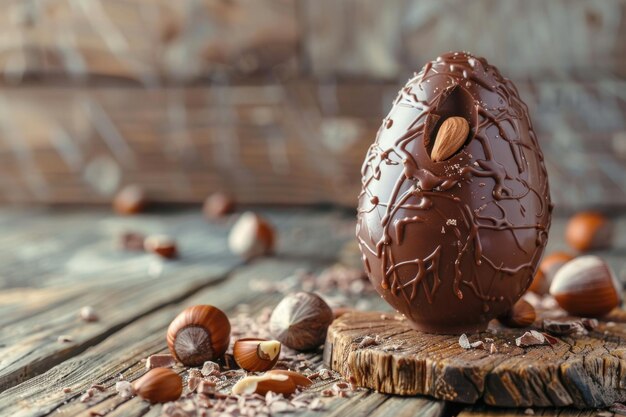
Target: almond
[(450, 137)]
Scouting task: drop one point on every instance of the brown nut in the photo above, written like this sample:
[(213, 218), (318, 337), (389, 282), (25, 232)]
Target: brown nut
[(300, 321), (586, 286), (131, 199), (279, 382), (589, 231), (198, 334), (159, 385), (521, 315), (300, 380), (450, 138), (251, 236), (161, 245), (546, 271), (256, 355), (218, 205)]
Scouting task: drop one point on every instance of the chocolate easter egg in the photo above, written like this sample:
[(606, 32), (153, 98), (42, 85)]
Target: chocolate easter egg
[(452, 240)]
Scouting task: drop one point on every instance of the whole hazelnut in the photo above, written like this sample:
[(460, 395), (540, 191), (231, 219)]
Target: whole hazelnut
[(198, 334), (251, 236), (586, 286), (162, 245), (159, 385), (300, 321), (546, 271), (256, 355), (521, 315), (218, 205), (131, 199), (589, 231)]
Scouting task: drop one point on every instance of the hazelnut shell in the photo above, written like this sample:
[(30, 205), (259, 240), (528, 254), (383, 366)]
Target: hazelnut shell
[(589, 231), (587, 287), (300, 321), (131, 199), (546, 271), (198, 334), (256, 355), (521, 315), (251, 236)]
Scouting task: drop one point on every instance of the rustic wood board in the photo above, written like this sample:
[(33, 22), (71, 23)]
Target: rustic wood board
[(81, 266), (124, 351), (587, 371)]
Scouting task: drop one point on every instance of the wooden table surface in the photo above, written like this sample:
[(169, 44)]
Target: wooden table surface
[(55, 261)]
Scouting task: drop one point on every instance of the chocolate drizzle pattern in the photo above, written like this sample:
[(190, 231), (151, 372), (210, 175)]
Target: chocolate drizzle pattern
[(455, 243)]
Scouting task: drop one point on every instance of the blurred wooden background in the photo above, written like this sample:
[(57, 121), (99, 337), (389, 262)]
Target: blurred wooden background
[(278, 100)]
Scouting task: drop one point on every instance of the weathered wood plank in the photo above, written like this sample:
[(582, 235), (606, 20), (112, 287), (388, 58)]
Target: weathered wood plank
[(544, 412), (123, 287), (583, 371), (123, 351)]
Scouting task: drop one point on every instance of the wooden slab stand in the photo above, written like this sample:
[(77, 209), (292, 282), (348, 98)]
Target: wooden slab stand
[(583, 371)]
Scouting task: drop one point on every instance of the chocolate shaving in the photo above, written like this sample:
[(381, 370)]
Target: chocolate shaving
[(531, 338), (563, 328), (160, 360)]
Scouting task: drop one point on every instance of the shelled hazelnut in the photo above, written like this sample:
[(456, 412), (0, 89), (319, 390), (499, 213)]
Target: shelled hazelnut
[(256, 355), (546, 271), (131, 199), (300, 321), (589, 231), (159, 385), (521, 315), (251, 236), (279, 382), (198, 334), (218, 205), (587, 287)]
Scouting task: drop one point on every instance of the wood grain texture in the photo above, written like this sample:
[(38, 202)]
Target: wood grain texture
[(78, 264), (579, 371), (543, 412), (294, 142)]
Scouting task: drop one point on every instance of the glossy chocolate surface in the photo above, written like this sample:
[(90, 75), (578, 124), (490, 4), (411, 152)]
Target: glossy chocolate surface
[(453, 244)]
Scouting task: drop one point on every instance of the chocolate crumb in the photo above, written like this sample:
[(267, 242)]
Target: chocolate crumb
[(160, 360), (193, 382), (124, 389), (65, 338), (589, 324), (210, 368), (531, 338), (563, 328), (67, 390), (529, 412)]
